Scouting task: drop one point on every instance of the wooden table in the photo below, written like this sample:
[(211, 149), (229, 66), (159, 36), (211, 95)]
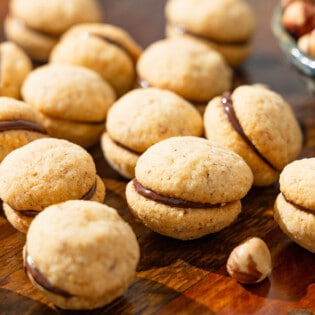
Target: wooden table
[(177, 277)]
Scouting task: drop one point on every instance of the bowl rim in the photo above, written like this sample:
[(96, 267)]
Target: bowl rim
[(287, 43)]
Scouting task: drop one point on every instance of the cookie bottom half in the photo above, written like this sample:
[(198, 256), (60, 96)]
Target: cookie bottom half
[(297, 224), (180, 223)]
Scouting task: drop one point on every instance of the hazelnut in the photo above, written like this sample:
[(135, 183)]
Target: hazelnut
[(306, 43), (298, 17), (250, 262)]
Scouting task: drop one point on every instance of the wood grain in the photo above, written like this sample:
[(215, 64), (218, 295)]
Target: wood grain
[(176, 277)]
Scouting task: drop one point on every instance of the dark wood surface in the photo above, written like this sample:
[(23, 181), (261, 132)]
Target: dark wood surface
[(177, 277)]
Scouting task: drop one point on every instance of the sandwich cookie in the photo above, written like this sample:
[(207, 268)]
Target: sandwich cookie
[(186, 187), (141, 118), (15, 66), (80, 254), (104, 48), (188, 68), (36, 25), (44, 172), (225, 25), (294, 208), (19, 125), (259, 125), (73, 101)]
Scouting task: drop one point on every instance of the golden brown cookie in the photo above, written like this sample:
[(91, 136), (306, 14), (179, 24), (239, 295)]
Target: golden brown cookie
[(36, 25), (225, 25), (104, 48), (141, 118), (294, 209), (15, 66), (258, 124), (73, 101), (44, 172), (80, 254), (186, 187), (19, 125), (186, 67)]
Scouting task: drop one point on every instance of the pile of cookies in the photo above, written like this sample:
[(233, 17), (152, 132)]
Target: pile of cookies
[(168, 120)]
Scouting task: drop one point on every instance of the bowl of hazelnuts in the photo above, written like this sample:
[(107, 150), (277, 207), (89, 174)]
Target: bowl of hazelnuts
[(293, 24)]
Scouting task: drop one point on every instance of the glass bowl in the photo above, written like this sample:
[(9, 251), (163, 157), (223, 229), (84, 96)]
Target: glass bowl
[(303, 64)]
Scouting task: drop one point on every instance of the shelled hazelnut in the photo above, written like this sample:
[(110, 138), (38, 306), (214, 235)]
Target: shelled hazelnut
[(306, 43), (298, 17), (250, 262)]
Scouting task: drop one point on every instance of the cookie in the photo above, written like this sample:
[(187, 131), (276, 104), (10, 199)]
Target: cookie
[(45, 172), (37, 25), (258, 124), (294, 208), (15, 66), (80, 254), (186, 187), (225, 25), (104, 48), (19, 125), (141, 118), (73, 101), (189, 68)]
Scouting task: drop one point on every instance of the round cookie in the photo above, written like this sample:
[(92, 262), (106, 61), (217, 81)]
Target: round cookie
[(73, 101), (104, 48), (45, 172), (80, 254), (36, 25), (141, 118), (294, 208), (19, 125), (197, 73), (225, 25), (186, 187), (259, 125), (15, 66)]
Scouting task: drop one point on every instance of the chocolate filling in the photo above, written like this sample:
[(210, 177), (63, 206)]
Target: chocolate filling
[(301, 208), (110, 41), (33, 213), (125, 148), (227, 104), (171, 201), (40, 279), (6, 125), (90, 193), (179, 29)]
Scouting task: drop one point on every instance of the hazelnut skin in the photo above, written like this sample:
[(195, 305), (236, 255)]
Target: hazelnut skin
[(298, 17), (250, 262)]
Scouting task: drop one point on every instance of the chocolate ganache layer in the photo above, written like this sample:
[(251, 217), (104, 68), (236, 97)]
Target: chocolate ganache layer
[(110, 41), (33, 213), (181, 30), (227, 104), (40, 279), (171, 201), (20, 124), (125, 148)]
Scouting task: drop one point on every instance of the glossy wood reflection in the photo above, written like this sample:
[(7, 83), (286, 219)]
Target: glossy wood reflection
[(177, 277)]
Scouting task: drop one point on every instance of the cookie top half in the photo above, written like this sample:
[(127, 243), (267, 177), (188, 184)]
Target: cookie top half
[(193, 169), (151, 115), (269, 122), (221, 20), (187, 67), (44, 172), (55, 17), (68, 92), (83, 248), (297, 183)]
